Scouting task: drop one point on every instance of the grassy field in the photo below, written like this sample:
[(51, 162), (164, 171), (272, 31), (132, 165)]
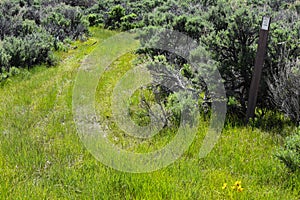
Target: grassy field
[(42, 157)]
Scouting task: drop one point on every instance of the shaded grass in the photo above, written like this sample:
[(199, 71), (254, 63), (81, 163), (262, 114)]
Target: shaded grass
[(41, 156)]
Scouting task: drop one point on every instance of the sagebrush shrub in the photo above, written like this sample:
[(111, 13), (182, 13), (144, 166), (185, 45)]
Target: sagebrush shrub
[(113, 19), (4, 59), (290, 153), (64, 21), (284, 88), (28, 51)]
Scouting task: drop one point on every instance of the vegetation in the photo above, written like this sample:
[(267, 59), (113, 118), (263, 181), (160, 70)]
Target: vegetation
[(284, 89), (290, 154), (42, 157), (228, 31), (31, 30)]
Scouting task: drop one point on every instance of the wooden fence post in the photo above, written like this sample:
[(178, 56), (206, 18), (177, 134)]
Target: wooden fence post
[(259, 62)]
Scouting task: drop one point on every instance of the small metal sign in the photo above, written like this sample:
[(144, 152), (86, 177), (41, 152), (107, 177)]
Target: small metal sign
[(266, 23)]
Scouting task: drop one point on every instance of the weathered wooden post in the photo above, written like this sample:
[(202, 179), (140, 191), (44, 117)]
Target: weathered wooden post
[(259, 62)]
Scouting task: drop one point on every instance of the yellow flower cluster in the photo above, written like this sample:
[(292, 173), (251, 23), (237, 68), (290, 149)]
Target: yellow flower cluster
[(237, 186)]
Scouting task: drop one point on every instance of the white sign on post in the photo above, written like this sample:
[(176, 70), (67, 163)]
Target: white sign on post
[(265, 23)]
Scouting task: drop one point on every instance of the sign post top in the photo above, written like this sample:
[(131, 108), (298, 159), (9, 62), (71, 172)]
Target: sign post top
[(266, 23)]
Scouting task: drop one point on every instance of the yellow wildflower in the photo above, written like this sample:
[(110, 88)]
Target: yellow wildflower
[(240, 189), (238, 184), (224, 186)]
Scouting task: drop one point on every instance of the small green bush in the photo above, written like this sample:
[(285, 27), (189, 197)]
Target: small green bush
[(65, 21), (4, 58), (5, 74), (28, 27), (28, 51), (114, 18), (94, 19), (15, 49), (290, 153), (128, 22)]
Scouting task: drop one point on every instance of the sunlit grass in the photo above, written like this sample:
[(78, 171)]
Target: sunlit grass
[(41, 156)]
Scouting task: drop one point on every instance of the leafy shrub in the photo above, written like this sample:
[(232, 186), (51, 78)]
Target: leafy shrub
[(232, 44), (28, 27), (290, 153), (94, 19), (128, 22), (114, 16), (5, 74), (180, 103), (4, 59), (80, 3), (40, 45), (10, 21), (28, 51), (65, 21), (15, 48)]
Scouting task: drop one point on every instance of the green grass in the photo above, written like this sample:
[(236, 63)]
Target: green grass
[(42, 157)]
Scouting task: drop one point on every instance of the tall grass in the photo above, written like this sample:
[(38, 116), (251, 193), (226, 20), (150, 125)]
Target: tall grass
[(41, 156)]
